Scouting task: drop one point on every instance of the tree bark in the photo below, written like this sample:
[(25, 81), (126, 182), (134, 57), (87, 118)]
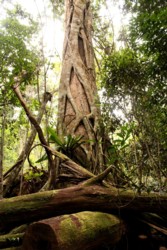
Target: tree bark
[(2, 140), (12, 173), (9, 240), (13, 248), (51, 162), (86, 230), (78, 108), (27, 208), (1, 159)]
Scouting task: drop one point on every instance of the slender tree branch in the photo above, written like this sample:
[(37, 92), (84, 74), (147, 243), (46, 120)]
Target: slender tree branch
[(97, 179), (35, 124)]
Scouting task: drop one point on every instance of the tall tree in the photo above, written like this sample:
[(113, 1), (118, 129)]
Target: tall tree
[(135, 82), (78, 109), (18, 57), (78, 115)]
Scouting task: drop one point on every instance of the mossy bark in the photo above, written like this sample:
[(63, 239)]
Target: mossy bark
[(28, 208), (12, 248), (9, 240), (85, 230)]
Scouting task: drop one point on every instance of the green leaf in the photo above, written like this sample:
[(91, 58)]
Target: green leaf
[(125, 146), (117, 141), (43, 158), (54, 137), (120, 135)]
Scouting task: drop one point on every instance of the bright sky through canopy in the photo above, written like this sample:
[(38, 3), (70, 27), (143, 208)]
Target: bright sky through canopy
[(52, 30)]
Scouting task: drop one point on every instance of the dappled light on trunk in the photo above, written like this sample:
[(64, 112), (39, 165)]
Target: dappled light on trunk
[(78, 109)]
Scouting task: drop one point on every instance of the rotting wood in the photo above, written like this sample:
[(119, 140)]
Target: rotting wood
[(27, 208), (13, 248), (9, 240), (85, 229)]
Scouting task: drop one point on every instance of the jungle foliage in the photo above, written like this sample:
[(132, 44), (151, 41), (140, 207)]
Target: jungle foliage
[(131, 78), (134, 82)]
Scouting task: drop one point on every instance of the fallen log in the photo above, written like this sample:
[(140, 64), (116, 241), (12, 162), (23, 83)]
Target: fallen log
[(10, 240), (28, 208), (12, 248), (85, 229)]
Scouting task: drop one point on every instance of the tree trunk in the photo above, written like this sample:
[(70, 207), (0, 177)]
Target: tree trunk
[(51, 162), (83, 197), (2, 139), (12, 173), (86, 230), (78, 109)]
